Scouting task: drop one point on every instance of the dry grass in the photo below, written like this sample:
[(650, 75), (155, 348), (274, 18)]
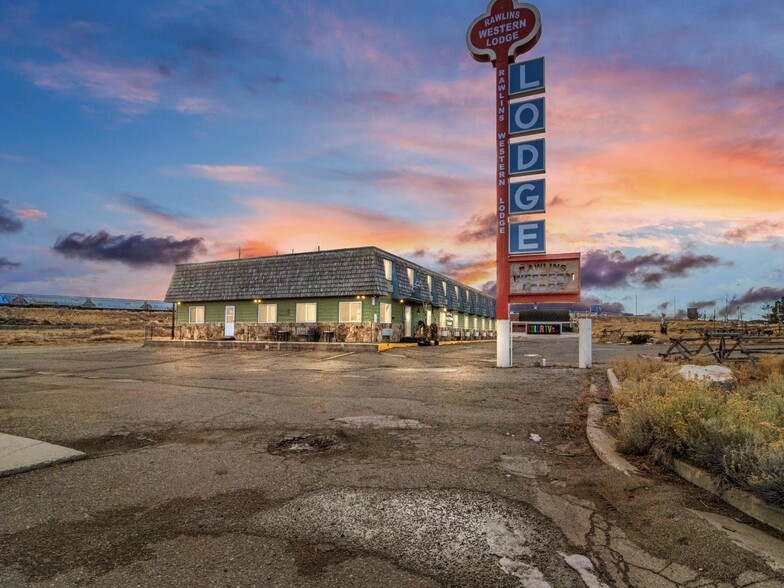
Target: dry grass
[(738, 433), (29, 326)]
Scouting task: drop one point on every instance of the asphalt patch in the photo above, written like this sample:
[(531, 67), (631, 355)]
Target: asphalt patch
[(460, 538)]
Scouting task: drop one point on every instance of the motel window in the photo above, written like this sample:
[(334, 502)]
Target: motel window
[(429, 283), (465, 322), (268, 313), (429, 320), (442, 319), (457, 293), (350, 312), (443, 285), (388, 269), (196, 314), (484, 324), (306, 312), (410, 272), (386, 313), (476, 323)]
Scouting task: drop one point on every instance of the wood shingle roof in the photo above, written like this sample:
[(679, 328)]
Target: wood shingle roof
[(336, 273)]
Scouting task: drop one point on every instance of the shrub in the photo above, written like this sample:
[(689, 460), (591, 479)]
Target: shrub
[(639, 338), (737, 434)]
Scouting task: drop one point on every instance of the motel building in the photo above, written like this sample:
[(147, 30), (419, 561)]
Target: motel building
[(361, 295)]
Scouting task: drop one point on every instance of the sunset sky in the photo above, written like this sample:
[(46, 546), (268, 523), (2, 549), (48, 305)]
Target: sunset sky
[(140, 134)]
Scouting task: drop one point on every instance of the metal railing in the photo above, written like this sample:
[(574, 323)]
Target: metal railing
[(158, 332)]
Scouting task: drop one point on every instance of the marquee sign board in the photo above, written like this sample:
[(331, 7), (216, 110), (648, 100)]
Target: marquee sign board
[(545, 278), (527, 197)]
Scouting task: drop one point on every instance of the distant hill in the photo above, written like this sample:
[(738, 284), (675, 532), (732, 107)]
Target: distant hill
[(82, 302)]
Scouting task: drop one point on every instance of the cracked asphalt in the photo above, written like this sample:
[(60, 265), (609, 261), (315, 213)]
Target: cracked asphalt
[(414, 467)]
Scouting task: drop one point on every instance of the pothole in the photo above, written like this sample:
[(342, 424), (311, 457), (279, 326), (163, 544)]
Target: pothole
[(306, 444)]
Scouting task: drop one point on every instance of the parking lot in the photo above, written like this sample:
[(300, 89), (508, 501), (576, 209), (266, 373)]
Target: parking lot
[(412, 467)]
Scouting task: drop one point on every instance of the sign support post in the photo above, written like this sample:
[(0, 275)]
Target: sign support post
[(507, 29), (504, 339)]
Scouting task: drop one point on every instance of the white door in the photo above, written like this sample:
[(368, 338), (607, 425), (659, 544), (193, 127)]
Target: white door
[(228, 330), (409, 326)]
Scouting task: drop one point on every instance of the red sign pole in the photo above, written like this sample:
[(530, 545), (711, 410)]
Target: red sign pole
[(508, 29), (502, 149)]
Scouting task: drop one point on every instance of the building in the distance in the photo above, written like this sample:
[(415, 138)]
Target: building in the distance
[(361, 295)]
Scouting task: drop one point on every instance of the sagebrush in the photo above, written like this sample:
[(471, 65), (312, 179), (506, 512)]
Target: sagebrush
[(738, 433)]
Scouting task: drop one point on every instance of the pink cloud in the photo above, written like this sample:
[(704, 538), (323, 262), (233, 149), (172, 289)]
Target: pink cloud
[(235, 174), (346, 40), (200, 106), (134, 88), (32, 214)]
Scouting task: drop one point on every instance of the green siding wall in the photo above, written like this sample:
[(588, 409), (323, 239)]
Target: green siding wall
[(327, 310)]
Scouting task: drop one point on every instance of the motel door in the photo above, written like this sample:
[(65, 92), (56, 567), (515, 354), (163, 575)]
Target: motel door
[(409, 326), (228, 330)]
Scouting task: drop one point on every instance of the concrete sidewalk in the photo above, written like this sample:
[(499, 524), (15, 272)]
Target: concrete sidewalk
[(20, 454)]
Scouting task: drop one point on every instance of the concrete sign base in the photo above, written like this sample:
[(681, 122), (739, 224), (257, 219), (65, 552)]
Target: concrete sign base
[(504, 344)]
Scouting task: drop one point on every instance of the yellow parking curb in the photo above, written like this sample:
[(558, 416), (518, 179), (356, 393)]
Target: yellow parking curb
[(385, 346)]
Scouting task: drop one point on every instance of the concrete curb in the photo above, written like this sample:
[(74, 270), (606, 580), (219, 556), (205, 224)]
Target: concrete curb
[(615, 385), (385, 346), (601, 441), (746, 502), (20, 454)]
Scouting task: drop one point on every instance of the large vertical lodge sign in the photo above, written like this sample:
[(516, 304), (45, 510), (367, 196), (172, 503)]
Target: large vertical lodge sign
[(506, 30)]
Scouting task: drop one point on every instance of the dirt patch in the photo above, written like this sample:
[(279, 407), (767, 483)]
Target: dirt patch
[(313, 560), (115, 443)]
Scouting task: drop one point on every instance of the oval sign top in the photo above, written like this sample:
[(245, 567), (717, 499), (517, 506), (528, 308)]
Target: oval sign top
[(507, 28)]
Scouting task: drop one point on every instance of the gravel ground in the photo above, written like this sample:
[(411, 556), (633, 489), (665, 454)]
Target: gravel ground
[(413, 467)]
